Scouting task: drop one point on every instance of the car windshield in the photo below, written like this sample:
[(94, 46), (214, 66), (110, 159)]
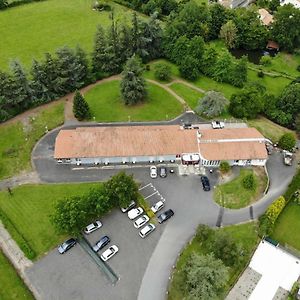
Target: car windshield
[(94, 225)]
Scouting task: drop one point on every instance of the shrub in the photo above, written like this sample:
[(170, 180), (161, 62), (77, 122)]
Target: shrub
[(162, 72), (266, 60), (260, 74), (224, 167), (287, 141), (275, 209), (249, 182), (298, 68), (203, 233)]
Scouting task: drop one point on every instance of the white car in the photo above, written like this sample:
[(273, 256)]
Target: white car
[(146, 230), (109, 253), (217, 124), (92, 227), (153, 172), (158, 206), (141, 221), (130, 206), (135, 212)]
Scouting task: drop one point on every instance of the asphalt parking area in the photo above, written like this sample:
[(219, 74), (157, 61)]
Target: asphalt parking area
[(74, 275), (151, 194)]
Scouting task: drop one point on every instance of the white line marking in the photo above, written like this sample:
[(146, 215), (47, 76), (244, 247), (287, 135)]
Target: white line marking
[(145, 186), (150, 195), (75, 169)]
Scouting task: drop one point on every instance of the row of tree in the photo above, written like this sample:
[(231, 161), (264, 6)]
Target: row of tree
[(72, 214)]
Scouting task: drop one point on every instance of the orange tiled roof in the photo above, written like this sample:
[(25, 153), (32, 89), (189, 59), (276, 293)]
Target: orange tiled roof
[(265, 16)]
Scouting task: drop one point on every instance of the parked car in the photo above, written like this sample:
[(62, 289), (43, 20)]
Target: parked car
[(165, 215), (287, 158), (109, 253), (157, 206), (92, 227), (217, 124), (163, 172), (67, 245), (129, 207), (141, 221), (135, 212), (105, 240), (153, 172), (205, 183), (146, 230)]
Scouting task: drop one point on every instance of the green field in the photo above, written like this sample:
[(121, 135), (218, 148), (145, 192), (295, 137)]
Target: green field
[(191, 96), (287, 226), (27, 213), (12, 286), (244, 234), (28, 31), (18, 139), (233, 195), (268, 128), (106, 104)]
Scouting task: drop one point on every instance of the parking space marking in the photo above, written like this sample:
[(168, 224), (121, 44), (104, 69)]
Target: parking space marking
[(149, 184), (151, 195)]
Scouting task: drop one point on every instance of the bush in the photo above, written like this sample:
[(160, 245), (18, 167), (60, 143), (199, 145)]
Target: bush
[(275, 209), (298, 68), (249, 182), (224, 167), (266, 60), (203, 233), (260, 74), (162, 72), (293, 187), (287, 141)]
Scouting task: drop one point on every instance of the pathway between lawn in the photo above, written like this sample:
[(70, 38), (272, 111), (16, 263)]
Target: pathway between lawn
[(177, 80)]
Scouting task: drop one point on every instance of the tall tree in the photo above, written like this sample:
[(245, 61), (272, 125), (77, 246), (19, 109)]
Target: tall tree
[(239, 72), (228, 34), (133, 84), (205, 277), (80, 107), (209, 61), (125, 42), (83, 66), (286, 27), (218, 17), (223, 68), (99, 58), (212, 104), (22, 93)]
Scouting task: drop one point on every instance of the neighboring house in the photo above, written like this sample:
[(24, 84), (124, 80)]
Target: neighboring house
[(265, 17), (296, 3), (150, 144)]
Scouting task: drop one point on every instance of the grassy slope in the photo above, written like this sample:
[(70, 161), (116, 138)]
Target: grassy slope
[(12, 286), (106, 104), (17, 140), (234, 195), (29, 209), (190, 95), (287, 227), (28, 31), (245, 234), (268, 128)]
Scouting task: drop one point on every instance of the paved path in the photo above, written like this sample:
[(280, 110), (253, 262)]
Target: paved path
[(187, 84), (23, 178)]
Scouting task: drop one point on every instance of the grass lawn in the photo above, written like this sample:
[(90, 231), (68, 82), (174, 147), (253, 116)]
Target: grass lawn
[(26, 213), (190, 95), (17, 139), (150, 73), (244, 234), (106, 104), (287, 226), (233, 195), (268, 128), (208, 84), (28, 31), (12, 286)]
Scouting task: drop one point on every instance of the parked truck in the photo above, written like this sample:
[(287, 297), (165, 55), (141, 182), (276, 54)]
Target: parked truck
[(287, 158)]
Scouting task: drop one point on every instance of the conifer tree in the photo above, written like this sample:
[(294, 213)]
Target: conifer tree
[(80, 107), (99, 58)]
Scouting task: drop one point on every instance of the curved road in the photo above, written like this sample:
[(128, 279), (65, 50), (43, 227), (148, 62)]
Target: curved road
[(192, 205)]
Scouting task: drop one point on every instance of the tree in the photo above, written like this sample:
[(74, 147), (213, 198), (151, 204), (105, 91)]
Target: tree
[(83, 66), (287, 141), (225, 248), (297, 123), (239, 72), (247, 103), (188, 68), (180, 49), (218, 17), (286, 27), (249, 182), (80, 107), (209, 60), (121, 189), (133, 85), (289, 102), (223, 68), (162, 72), (273, 5), (99, 57), (224, 167), (205, 277), (3, 4), (228, 33), (212, 104), (70, 215)]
